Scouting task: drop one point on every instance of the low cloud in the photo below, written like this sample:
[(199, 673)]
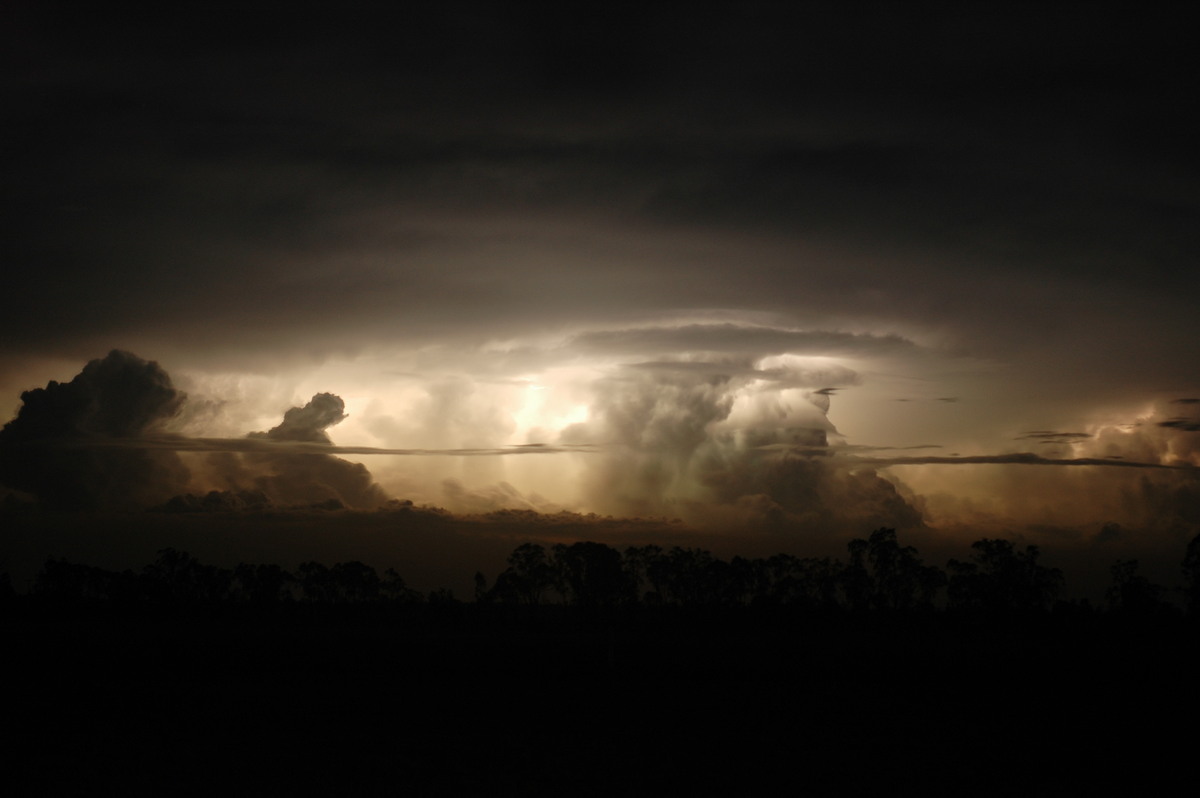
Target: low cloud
[(494, 498)]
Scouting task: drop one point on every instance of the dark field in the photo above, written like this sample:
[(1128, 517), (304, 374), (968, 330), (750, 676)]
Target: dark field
[(466, 699)]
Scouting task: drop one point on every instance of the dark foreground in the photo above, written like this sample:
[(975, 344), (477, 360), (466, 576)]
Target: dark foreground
[(466, 699)]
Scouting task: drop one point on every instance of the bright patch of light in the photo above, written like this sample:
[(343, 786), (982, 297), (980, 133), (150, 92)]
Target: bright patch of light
[(546, 408)]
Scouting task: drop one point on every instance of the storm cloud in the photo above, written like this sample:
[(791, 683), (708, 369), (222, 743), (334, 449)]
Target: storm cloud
[(99, 442), (726, 338), (120, 398), (727, 449), (682, 263), (298, 478)]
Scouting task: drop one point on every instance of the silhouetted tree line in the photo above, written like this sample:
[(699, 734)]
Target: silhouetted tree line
[(178, 578), (878, 576)]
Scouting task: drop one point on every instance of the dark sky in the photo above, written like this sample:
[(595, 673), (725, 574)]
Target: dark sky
[(657, 229)]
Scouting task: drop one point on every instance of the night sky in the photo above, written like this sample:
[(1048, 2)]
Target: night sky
[(787, 274)]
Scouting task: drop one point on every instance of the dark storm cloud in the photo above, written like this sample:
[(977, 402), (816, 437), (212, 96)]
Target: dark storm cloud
[(296, 186), (191, 152), (120, 398), (97, 442), (1188, 401), (119, 395)]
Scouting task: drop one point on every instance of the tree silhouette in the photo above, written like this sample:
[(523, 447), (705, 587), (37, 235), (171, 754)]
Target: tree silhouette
[(393, 588), (1132, 593), (528, 576), (1000, 579), (808, 582), (344, 583), (591, 574), (883, 575), (262, 584), (1191, 575), (179, 577), (482, 594), (643, 569), (60, 580), (316, 584)]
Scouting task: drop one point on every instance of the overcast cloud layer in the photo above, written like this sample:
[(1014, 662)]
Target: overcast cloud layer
[(704, 256)]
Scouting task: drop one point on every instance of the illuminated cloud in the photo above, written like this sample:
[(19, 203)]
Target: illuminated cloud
[(726, 449), (297, 479), (308, 424), (734, 338)]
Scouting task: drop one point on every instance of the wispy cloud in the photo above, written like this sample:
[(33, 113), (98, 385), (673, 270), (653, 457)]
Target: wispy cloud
[(1184, 424), (178, 443), (1018, 458), (737, 338), (1051, 436)]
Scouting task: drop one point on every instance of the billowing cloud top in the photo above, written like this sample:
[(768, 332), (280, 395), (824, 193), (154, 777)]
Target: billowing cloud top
[(120, 396), (308, 423)]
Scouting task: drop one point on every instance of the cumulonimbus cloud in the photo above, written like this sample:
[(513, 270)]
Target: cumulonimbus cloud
[(119, 397), (99, 442)]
